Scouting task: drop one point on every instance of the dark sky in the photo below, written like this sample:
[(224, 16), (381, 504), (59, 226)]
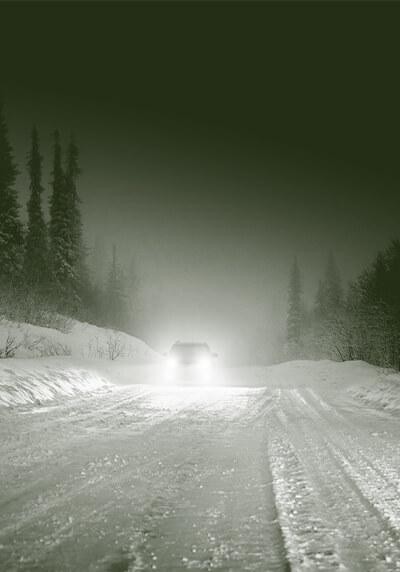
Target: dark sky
[(218, 140)]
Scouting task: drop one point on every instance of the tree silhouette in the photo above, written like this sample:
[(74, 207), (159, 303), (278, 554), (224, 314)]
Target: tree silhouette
[(36, 253), (11, 230), (295, 309)]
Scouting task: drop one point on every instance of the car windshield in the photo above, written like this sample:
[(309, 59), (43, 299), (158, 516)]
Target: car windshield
[(189, 351)]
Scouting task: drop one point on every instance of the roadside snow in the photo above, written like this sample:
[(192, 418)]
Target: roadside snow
[(303, 474), (384, 393), (368, 384), (80, 340), (35, 381), (85, 358), (44, 363)]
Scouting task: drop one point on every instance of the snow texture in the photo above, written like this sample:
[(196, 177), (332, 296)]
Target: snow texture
[(79, 340), (299, 472), (36, 381), (51, 364)]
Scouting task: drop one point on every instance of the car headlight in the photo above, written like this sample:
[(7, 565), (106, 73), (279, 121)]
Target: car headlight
[(204, 362)]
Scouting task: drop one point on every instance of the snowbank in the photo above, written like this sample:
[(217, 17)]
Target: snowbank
[(303, 373), (66, 363), (80, 340), (368, 384), (35, 381), (384, 393), (87, 358)]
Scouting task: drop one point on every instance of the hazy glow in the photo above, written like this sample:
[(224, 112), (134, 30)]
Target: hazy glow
[(172, 362), (205, 191), (200, 373), (204, 362)]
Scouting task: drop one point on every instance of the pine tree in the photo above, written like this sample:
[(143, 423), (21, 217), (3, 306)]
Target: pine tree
[(35, 260), (295, 309), (81, 282), (116, 303), (320, 301), (11, 230), (72, 172), (329, 327), (333, 283), (58, 227), (329, 298), (61, 230), (98, 260), (133, 284)]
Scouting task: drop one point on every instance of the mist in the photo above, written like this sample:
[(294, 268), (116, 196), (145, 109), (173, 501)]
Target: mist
[(212, 169), (199, 286)]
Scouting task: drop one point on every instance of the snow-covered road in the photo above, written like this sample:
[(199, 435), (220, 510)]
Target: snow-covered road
[(200, 478)]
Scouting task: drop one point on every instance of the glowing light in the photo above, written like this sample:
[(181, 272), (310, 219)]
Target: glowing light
[(172, 361), (204, 362)]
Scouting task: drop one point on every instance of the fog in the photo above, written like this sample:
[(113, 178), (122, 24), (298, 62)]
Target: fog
[(210, 170)]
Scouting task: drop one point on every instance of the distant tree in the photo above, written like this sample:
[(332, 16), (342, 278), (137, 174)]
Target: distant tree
[(72, 172), (334, 290), (58, 226), (116, 304), (329, 298), (295, 307), (328, 317), (320, 301), (36, 254), (11, 229), (98, 261), (69, 274), (375, 310), (81, 282), (132, 287), (363, 325)]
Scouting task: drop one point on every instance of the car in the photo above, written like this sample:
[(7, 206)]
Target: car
[(191, 354)]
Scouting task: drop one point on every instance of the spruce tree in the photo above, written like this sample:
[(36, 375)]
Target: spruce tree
[(320, 301), (72, 172), (116, 303), (329, 315), (98, 260), (334, 291), (81, 282), (329, 299), (295, 309), (11, 230), (61, 256), (35, 260)]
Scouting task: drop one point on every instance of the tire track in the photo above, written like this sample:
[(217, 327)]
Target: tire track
[(361, 535), (127, 501)]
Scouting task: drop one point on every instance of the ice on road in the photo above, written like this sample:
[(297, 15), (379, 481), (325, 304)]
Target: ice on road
[(200, 478)]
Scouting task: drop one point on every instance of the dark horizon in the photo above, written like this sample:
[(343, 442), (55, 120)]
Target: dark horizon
[(217, 142)]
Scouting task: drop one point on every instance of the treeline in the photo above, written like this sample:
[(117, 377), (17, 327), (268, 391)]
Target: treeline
[(44, 266), (362, 322)]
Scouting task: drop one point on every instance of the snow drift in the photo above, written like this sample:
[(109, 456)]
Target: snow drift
[(77, 339), (86, 358), (47, 363), (383, 393), (370, 385), (35, 381), (367, 384)]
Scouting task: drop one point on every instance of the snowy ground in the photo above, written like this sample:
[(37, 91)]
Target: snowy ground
[(295, 467), (75, 339)]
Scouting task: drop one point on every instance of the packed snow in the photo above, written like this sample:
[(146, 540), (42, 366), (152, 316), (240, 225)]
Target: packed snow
[(75, 339), (370, 385), (108, 465), (50, 364), (38, 381)]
